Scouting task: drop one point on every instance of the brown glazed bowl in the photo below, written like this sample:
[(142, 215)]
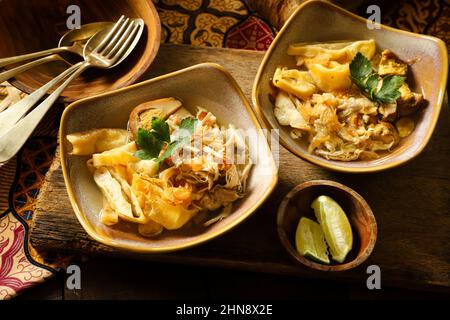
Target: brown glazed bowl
[(320, 21), (297, 204), (33, 25), (207, 85)]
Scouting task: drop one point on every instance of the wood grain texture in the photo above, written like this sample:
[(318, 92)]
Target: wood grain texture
[(411, 205)]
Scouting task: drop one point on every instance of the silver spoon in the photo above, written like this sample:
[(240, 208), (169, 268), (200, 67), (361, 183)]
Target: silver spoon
[(69, 42), (101, 52), (72, 41)]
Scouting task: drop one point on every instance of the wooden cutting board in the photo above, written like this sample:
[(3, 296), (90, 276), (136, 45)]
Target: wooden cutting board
[(411, 205)]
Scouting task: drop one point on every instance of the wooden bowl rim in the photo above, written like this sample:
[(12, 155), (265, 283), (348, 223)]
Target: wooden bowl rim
[(287, 244)]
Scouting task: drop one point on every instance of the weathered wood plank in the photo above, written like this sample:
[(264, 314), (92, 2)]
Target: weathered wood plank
[(411, 204)]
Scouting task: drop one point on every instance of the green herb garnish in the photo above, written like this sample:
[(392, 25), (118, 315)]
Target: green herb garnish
[(363, 76), (152, 142), (183, 138)]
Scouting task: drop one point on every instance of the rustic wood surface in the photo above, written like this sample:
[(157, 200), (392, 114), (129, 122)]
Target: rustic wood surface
[(411, 205)]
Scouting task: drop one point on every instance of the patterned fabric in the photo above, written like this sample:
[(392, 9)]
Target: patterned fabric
[(217, 23)]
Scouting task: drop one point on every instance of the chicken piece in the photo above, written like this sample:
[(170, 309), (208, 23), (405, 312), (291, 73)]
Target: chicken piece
[(287, 114), (409, 101), (391, 65), (112, 191), (388, 111)]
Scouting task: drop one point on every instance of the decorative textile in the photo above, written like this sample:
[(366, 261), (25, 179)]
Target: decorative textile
[(217, 23)]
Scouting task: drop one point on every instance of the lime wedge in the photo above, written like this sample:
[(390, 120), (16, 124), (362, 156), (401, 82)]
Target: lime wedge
[(310, 241), (335, 226)]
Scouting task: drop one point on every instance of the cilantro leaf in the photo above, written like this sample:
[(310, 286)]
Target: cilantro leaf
[(171, 148), (360, 67), (149, 143), (152, 142), (366, 80), (189, 124), (371, 85), (183, 138), (389, 89), (161, 129)]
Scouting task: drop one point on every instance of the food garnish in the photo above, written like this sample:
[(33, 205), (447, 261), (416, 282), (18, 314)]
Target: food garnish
[(152, 141), (310, 241), (333, 232), (335, 226), (362, 75)]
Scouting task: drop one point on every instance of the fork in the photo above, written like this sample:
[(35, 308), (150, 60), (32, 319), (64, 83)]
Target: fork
[(15, 112), (112, 50)]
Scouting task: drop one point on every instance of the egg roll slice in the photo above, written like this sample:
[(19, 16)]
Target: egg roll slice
[(138, 214), (108, 216), (112, 191)]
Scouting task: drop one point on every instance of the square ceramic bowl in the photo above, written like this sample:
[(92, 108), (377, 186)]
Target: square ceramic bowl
[(206, 85), (318, 21)]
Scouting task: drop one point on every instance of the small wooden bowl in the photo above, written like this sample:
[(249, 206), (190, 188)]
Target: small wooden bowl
[(30, 25), (297, 204)]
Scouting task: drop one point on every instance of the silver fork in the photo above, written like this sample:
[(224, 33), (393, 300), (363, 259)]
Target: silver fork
[(107, 53)]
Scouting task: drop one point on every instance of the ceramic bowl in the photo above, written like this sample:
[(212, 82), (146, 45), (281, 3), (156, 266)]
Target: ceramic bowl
[(318, 21), (206, 85), (297, 204), (33, 25)]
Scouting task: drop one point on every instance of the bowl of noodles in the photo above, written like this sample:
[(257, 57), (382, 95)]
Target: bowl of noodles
[(165, 164), (349, 95)]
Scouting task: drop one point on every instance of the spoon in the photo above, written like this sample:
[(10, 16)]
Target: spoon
[(72, 41), (104, 50)]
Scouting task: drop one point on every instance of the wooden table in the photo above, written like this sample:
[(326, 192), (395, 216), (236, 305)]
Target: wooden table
[(411, 204)]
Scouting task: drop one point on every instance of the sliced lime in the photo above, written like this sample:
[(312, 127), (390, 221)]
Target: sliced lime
[(335, 226), (310, 241)]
